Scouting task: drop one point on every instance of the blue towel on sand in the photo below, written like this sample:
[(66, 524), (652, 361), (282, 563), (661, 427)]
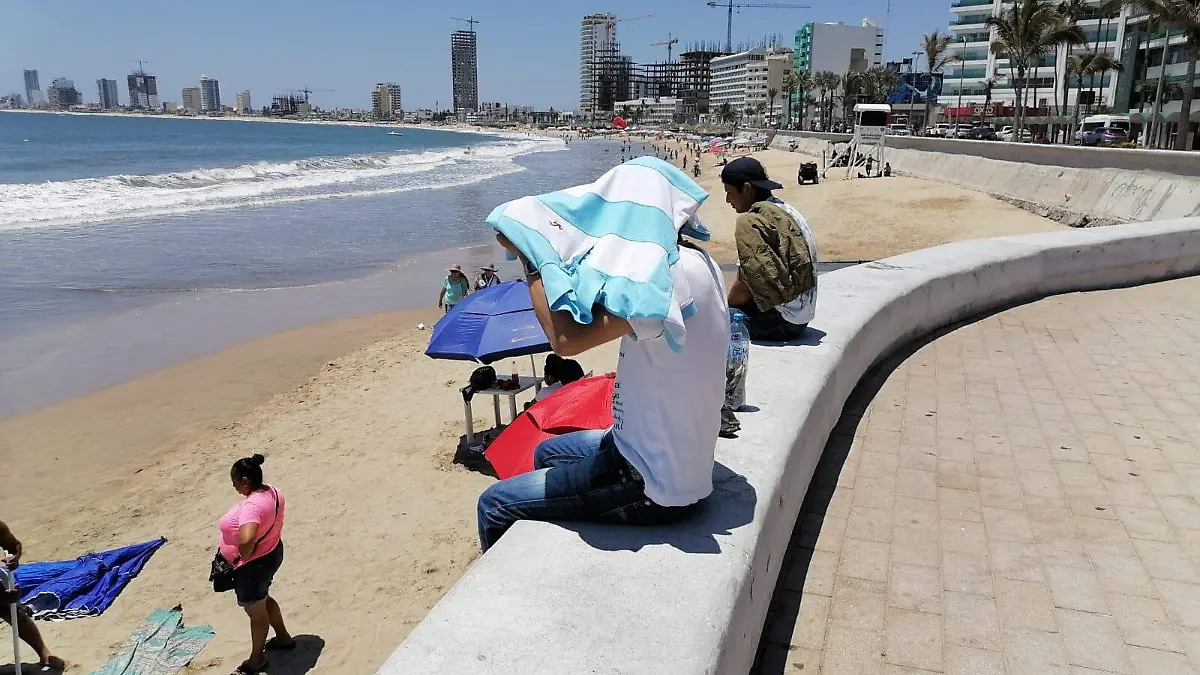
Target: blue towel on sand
[(85, 586)]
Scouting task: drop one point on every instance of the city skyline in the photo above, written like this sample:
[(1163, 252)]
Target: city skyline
[(286, 46)]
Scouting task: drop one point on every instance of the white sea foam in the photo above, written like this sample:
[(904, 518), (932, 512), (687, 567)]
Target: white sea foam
[(97, 200)]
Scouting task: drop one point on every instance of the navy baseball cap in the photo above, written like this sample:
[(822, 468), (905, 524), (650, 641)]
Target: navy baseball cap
[(748, 170)]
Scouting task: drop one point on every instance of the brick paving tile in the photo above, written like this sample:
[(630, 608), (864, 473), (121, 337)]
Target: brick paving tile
[(1019, 495)]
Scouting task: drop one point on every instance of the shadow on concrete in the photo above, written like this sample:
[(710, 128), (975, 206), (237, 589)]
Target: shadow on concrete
[(811, 338), (730, 506), (299, 660)]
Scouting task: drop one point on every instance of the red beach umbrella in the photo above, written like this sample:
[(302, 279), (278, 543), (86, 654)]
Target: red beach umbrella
[(619, 122), (582, 405)]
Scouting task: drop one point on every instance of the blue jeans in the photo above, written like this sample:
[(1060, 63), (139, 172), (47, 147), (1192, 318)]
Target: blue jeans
[(579, 476)]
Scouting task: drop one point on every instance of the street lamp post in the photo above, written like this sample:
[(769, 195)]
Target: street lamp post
[(912, 89), (962, 67)]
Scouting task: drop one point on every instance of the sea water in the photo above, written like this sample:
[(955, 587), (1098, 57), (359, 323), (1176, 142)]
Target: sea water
[(128, 244)]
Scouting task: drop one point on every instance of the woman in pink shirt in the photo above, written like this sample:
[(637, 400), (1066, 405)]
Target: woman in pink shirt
[(251, 540)]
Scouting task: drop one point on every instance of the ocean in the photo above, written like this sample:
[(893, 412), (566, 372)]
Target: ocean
[(128, 244)]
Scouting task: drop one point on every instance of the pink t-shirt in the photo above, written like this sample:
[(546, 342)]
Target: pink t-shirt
[(259, 508)]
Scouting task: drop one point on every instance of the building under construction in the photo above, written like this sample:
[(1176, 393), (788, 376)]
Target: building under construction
[(290, 103), (687, 79)]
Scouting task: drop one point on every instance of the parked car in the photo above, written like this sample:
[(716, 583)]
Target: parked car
[(1092, 126), (898, 130), (938, 130), (983, 133), (1111, 136), (959, 131), (1006, 134)]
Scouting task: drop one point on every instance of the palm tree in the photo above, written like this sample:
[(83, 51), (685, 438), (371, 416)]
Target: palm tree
[(804, 85), (726, 113), (772, 92), (883, 81), (1090, 64), (1024, 32), (852, 84), (788, 87), (936, 46), (1184, 16), (1070, 10), (989, 85), (826, 83)]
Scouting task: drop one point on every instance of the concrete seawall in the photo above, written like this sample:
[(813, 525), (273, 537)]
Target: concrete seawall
[(691, 599), (1078, 186)]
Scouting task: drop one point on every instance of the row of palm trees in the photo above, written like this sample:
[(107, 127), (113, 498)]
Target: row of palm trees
[(833, 90), (1030, 30)]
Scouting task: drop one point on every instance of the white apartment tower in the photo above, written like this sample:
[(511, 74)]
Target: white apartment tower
[(743, 80), (599, 63), (242, 99), (210, 94), (972, 38)]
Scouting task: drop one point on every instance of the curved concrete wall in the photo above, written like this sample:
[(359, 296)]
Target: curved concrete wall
[(691, 599), (1089, 186)]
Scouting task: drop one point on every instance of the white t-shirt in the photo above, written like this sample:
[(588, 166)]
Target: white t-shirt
[(803, 309), (547, 390), (667, 404)]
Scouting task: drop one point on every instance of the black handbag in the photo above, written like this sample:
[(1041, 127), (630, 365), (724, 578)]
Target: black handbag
[(221, 572)]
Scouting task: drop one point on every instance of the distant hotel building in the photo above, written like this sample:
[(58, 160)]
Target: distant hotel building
[(385, 101), (33, 89), (838, 48), (464, 70), (743, 79), (242, 100), (191, 99), (973, 38), (210, 94), (143, 91), (108, 94)]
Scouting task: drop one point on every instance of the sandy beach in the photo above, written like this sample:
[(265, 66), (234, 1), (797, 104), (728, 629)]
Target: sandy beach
[(360, 431)]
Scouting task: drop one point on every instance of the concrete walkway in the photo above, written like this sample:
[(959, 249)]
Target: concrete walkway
[(1019, 495)]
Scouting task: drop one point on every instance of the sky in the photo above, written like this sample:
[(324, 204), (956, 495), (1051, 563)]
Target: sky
[(528, 49)]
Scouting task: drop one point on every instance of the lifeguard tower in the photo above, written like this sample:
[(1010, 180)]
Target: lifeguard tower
[(870, 134)]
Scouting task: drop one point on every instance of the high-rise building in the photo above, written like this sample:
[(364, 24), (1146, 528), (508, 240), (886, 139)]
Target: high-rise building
[(63, 94), (743, 81), (464, 70), (191, 99), (604, 75), (108, 94), (973, 38), (143, 90), (210, 94), (385, 101), (242, 101), (838, 48), (33, 89)]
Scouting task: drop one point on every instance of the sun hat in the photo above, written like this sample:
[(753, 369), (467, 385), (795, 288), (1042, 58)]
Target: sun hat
[(454, 268), (489, 268)]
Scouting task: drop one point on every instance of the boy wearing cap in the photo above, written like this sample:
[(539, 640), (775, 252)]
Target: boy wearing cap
[(776, 285), (454, 288)]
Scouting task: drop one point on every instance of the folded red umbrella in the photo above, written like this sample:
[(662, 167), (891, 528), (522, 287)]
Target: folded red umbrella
[(585, 404)]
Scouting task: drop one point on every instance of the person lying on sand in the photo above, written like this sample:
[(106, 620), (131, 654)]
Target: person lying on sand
[(654, 466), (26, 628)]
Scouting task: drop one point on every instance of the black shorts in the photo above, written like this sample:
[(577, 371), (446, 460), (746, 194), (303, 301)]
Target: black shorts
[(252, 581)]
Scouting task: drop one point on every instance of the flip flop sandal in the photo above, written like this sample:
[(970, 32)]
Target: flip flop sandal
[(247, 669), (276, 644)]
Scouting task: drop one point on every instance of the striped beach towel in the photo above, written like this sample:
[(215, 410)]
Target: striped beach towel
[(612, 243)]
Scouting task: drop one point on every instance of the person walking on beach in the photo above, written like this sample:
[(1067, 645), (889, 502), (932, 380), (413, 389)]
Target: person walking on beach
[(776, 284), (655, 464), (454, 288), (26, 628), (251, 540), (487, 278)]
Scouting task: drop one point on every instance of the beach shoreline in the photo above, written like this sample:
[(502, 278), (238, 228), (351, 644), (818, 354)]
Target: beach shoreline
[(362, 433)]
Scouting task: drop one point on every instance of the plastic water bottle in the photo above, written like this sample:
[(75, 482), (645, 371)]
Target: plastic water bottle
[(738, 361)]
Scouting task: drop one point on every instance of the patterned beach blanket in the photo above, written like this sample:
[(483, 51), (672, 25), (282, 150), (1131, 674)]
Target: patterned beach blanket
[(160, 645), (612, 243)]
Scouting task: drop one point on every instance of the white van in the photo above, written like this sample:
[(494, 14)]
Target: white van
[(1098, 123)]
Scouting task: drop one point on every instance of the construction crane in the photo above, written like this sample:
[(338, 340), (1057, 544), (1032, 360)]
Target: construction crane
[(612, 23), (729, 6), (470, 22), (670, 41)]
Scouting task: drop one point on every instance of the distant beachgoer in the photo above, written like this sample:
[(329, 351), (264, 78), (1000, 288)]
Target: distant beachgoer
[(487, 278), (654, 466), (251, 540), (26, 628), (557, 372), (454, 288)]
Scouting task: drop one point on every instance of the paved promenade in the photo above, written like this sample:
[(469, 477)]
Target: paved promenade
[(1019, 496)]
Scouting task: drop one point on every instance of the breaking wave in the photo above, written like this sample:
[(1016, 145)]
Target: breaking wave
[(97, 200)]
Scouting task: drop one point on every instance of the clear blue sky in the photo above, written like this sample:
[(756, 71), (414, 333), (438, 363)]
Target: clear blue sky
[(528, 49)]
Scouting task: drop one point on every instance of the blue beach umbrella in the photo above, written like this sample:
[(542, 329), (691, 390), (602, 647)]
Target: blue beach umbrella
[(489, 325)]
